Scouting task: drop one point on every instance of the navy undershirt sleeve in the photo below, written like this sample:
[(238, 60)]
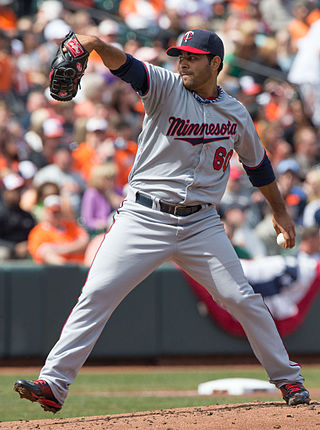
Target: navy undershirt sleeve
[(135, 73), (262, 174)]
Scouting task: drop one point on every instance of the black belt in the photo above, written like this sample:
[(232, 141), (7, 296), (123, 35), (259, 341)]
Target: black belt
[(167, 207)]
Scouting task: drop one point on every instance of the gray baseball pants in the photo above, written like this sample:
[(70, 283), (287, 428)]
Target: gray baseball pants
[(139, 241)]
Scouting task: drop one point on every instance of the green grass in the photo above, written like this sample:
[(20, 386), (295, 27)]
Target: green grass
[(91, 393)]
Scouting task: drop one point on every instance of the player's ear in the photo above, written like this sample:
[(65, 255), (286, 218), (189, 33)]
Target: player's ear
[(215, 63)]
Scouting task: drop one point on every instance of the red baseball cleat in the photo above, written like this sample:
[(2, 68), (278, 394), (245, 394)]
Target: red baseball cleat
[(294, 393), (38, 391)]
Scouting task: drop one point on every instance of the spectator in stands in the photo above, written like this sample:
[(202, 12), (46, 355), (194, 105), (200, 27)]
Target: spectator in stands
[(124, 100), (306, 148), (41, 192), (296, 119), (96, 149), (81, 19), (54, 32), (312, 189), (35, 100), (15, 223), (65, 112), (268, 56), (27, 170), (277, 147), (310, 242), (131, 46), (141, 14), (125, 151), (289, 181), (109, 31), (5, 115), (202, 10), (241, 250), (236, 190), (71, 183), (57, 240), (245, 49), (265, 231), (30, 61), (305, 71), (8, 18), (9, 155), (47, 11), (93, 87), (100, 198), (299, 24), (285, 50), (52, 130), (280, 95), (239, 191), (247, 93), (242, 234), (275, 13), (7, 66)]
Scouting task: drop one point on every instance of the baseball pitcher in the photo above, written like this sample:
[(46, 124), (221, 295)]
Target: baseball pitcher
[(191, 129)]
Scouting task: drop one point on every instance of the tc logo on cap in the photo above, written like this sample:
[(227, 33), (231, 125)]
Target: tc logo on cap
[(188, 36)]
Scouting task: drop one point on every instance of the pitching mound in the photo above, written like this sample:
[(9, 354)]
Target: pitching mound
[(268, 415)]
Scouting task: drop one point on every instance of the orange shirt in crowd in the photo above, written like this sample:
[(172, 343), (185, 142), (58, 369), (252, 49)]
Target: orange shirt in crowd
[(298, 29), (84, 159), (8, 19), (272, 111), (239, 5), (128, 7), (4, 166), (6, 73), (44, 233), (95, 57), (85, 109), (313, 16), (124, 159)]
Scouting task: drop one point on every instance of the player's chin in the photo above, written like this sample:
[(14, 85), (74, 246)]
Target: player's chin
[(187, 83)]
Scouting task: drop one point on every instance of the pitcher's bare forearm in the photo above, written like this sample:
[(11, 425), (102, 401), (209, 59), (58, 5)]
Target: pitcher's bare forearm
[(282, 221), (112, 57), (272, 194)]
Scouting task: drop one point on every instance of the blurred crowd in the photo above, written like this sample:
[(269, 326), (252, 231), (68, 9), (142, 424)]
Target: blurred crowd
[(64, 166)]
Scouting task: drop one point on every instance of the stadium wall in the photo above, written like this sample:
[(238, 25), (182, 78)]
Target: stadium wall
[(160, 318)]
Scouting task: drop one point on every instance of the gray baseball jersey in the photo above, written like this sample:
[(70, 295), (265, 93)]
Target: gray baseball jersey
[(185, 146)]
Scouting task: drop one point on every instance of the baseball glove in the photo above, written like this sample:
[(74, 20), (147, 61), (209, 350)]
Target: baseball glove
[(67, 68)]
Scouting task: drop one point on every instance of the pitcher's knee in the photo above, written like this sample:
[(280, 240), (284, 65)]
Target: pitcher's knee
[(103, 293), (245, 300)]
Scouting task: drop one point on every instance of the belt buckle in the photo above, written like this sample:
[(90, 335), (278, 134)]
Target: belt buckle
[(175, 209)]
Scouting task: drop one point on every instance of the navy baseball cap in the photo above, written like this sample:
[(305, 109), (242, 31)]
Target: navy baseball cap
[(199, 42)]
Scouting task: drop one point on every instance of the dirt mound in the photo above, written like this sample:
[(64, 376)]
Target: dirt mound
[(248, 416)]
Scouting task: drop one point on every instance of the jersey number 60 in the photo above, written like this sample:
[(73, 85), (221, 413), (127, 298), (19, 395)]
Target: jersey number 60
[(222, 158)]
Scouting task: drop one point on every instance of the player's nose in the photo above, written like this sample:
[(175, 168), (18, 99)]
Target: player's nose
[(184, 66)]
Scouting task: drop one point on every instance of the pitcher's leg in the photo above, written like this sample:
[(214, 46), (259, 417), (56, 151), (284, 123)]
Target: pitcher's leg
[(121, 263), (215, 265)]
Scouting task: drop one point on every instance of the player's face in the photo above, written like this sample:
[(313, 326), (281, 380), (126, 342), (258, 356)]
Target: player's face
[(196, 72)]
